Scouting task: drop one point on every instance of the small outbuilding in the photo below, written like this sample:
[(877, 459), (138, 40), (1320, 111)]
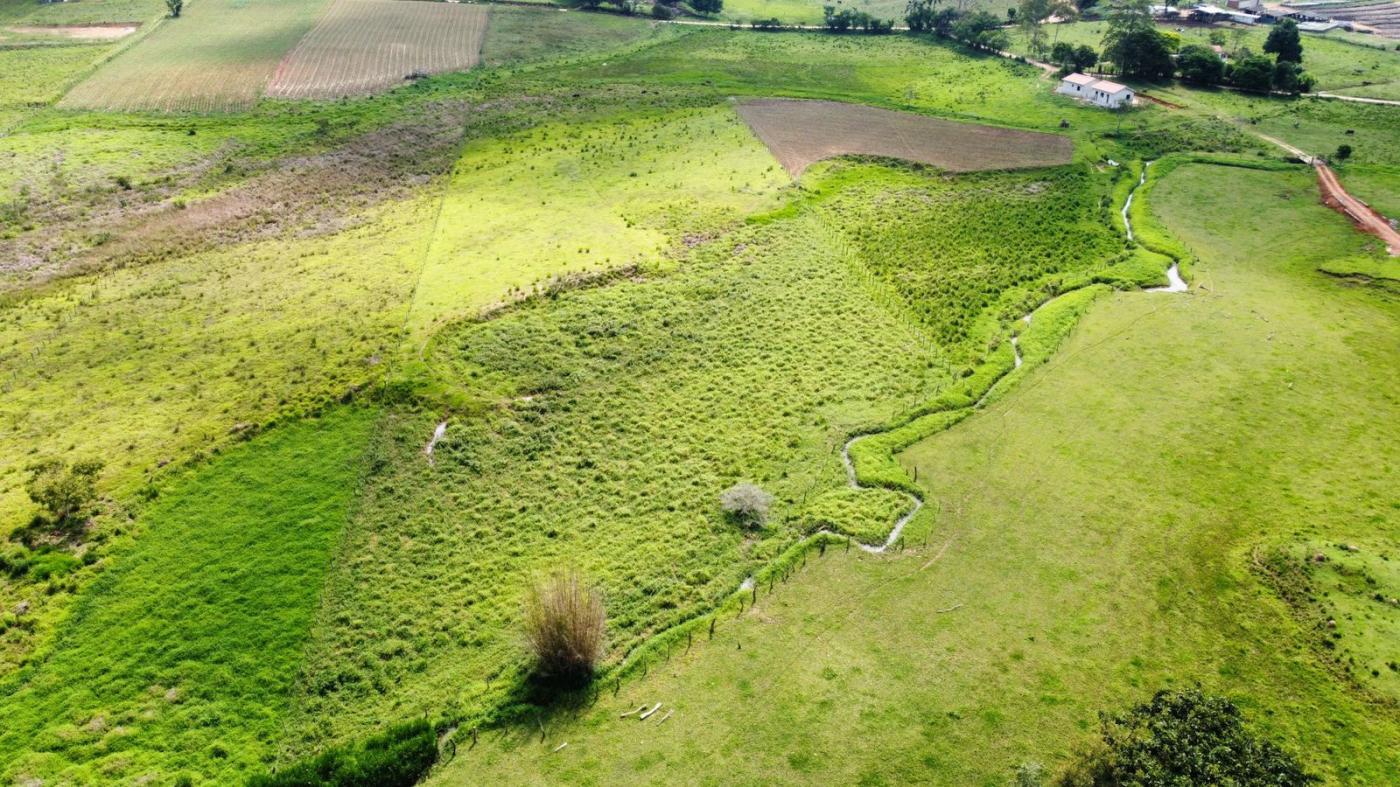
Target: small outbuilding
[(1101, 92)]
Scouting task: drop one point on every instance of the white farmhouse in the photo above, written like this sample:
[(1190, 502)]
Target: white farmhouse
[(1097, 91)]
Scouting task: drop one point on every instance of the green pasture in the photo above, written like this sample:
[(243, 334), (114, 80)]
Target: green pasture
[(1095, 540), (620, 305), (571, 197), (180, 659), (217, 56), (78, 12), (38, 75)]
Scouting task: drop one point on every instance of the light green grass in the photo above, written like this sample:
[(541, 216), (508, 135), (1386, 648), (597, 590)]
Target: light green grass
[(38, 75), (79, 12), (586, 196), (1091, 545), (153, 364), (1378, 185), (1375, 267), (217, 56), (1347, 598), (181, 657)]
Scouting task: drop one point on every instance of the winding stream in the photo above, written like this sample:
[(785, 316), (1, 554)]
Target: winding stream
[(1174, 284)]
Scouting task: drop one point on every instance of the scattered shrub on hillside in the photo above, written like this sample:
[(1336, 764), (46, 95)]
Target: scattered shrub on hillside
[(1343, 152), (746, 503), (1182, 737), (61, 489), (397, 758), (175, 7), (565, 626)]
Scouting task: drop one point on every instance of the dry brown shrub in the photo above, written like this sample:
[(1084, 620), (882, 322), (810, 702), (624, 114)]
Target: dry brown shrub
[(565, 626)]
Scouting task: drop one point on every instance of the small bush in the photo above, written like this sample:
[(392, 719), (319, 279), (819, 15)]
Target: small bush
[(61, 489), (565, 627), (1343, 152), (746, 503), (397, 758)]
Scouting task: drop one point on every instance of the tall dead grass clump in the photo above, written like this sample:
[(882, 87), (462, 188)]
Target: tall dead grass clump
[(565, 626)]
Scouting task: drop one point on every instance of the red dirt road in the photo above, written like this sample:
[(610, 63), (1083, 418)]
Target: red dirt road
[(1361, 214)]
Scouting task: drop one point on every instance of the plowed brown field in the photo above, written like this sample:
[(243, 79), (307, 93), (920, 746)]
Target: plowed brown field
[(803, 132), (361, 46)]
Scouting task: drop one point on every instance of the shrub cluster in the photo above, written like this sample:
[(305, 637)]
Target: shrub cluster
[(397, 758), (565, 626)]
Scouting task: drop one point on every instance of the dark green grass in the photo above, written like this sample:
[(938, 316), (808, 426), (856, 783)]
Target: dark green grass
[(970, 255), (181, 656), (1093, 543)]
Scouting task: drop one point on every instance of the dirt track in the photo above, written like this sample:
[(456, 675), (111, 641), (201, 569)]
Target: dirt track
[(1365, 217)]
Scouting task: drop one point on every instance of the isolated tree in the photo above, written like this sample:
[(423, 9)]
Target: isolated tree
[(746, 503), (175, 7), (1085, 57), (1126, 17), (1183, 738), (1283, 42), (1200, 64), (707, 6), (565, 627), (1343, 152), (63, 491), (1142, 53), (1253, 72), (1062, 53), (1030, 17), (1288, 77)]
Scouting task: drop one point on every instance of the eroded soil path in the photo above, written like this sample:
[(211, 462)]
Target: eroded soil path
[(1362, 215)]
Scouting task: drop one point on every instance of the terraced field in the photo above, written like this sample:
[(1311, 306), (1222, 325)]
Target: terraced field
[(360, 46), (217, 56)]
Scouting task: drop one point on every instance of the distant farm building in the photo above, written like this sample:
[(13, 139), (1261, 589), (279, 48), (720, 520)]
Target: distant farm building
[(1096, 91)]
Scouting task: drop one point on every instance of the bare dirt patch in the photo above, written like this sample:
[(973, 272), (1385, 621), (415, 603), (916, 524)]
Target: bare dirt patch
[(362, 46), (94, 32), (801, 133)]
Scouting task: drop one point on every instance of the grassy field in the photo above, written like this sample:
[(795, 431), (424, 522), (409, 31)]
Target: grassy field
[(217, 56), (79, 12), (1040, 597), (581, 261), (593, 454), (628, 184), (182, 656), (809, 12), (39, 75)]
